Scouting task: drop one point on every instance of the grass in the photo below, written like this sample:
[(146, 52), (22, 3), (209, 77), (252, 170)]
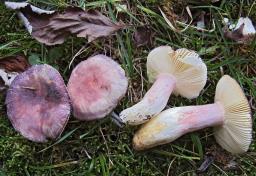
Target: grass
[(100, 147)]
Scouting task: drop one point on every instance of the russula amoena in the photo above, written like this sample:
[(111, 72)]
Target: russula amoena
[(95, 87), (229, 115), (182, 72), (38, 104)]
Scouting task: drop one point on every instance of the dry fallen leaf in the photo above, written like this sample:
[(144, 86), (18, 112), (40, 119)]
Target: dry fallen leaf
[(14, 63), (142, 36), (242, 32), (10, 67), (197, 19), (208, 160), (52, 27)]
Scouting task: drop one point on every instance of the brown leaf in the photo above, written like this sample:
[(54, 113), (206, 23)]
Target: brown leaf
[(14, 63), (208, 160), (10, 67), (241, 32), (237, 35), (52, 28), (188, 17), (220, 155), (142, 36)]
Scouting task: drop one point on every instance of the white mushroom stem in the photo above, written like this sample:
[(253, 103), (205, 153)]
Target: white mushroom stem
[(175, 122), (152, 103)]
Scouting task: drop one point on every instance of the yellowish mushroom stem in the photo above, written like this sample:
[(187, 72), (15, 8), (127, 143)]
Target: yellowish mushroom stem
[(175, 122)]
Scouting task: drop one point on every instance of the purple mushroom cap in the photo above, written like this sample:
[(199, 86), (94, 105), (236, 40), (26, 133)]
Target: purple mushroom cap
[(38, 104)]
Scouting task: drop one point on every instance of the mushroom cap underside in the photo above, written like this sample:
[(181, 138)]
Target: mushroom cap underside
[(235, 134), (185, 65)]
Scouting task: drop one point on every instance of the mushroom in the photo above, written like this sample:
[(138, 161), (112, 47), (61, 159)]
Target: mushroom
[(95, 87), (38, 104), (181, 71), (229, 115)]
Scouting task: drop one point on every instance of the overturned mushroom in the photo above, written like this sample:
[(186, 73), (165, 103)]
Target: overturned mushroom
[(181, 71), (95, 87), (229, 115), (38, 104)]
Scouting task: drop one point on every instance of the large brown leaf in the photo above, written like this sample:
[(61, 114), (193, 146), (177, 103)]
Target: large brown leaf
[(52, 28)]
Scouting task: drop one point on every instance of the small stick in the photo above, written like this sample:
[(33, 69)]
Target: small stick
[(116, 119)]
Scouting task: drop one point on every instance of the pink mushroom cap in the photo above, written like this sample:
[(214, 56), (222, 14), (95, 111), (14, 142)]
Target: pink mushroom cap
[(95, 87)]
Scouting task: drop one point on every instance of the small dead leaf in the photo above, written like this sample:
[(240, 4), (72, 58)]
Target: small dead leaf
[(220, 155), (142, 36), (236, 35), (52, 27), (17, 63), (188, 18), (208, 160), (10, 67), (231, 165), (242, 32)]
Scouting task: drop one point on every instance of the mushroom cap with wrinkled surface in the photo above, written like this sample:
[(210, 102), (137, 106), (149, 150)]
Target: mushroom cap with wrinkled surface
[(38, 104), (95, 87), (235, 135), (185, 65)]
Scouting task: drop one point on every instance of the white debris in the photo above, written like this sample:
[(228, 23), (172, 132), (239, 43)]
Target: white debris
[(7, 77), (248, 26)]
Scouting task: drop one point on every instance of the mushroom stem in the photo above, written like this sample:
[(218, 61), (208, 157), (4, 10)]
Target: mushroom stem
[(152, 103), (175, 122), (192, 118)]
